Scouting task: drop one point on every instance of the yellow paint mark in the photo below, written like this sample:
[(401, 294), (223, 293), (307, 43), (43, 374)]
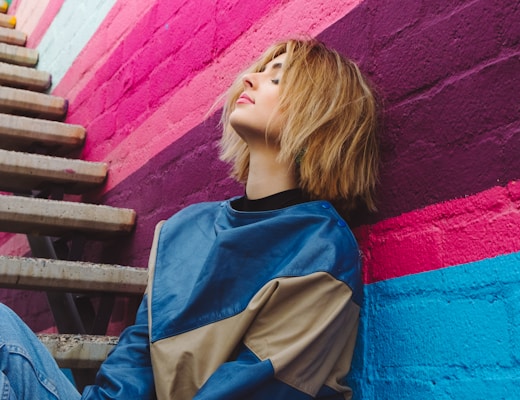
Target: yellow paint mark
[(12, 21)]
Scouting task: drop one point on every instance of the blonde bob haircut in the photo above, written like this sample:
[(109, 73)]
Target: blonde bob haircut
[(329, 124)]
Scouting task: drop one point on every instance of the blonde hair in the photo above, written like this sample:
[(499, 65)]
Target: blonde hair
[(329, 130)]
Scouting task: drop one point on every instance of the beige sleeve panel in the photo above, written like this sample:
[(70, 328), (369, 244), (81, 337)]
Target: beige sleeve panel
[(182, 363), (308, 330), (306, 326)]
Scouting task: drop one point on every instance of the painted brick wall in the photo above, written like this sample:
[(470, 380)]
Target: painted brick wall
[(447, 334), (442, 255), (448, 73)]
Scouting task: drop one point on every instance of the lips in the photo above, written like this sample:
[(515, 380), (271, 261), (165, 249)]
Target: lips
[(245, 99)]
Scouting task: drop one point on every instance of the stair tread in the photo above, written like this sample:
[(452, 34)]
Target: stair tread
[(78, 351), (23, 133), (25, 171), (12, 36), (71, 276), (18, 55), (57, 218), (42, 105), (24, 77), (7, 21)]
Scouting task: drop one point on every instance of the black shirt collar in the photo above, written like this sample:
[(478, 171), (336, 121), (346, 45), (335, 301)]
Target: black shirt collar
[(274, 202)]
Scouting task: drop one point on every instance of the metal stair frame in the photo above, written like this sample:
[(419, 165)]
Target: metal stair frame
[(73, 313)]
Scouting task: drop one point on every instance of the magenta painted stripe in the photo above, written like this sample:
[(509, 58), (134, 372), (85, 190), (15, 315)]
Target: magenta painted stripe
[(465, 230), (153, 89)]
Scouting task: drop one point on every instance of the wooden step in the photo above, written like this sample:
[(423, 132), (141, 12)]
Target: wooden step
[(78, 351), (18, 55), (12, 36), (70, 276), (22, 133), (19, 101), (21, 172), (24, 77), (7, 21), (61, 218)]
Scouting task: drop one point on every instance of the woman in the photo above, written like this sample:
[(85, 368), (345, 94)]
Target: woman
[(258, 296)]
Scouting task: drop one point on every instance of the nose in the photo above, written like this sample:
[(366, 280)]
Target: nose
[(248, 80)]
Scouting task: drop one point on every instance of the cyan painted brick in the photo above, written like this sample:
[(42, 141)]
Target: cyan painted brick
[(399, 389), (440, 329), (496, 388), (445, 388), (512, 291), (446, 334)]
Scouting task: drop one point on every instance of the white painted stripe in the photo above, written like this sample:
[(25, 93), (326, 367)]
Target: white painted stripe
[(71, 30)]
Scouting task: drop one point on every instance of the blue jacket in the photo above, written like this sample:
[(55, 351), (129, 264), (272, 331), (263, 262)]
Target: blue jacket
[(242, 305)]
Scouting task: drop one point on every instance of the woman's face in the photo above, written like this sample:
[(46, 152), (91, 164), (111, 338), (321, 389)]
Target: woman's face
[(256, 114)]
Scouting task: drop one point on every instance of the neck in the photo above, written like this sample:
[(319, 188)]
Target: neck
[(268, 176)]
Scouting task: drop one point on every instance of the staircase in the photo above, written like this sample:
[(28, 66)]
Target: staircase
[(34, 143)]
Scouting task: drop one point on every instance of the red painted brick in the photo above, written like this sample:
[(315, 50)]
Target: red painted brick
[(460, 231)]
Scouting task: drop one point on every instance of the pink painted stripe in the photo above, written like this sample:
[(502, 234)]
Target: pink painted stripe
[(170, 44), (14, 6), (45, 21), (460, 231), (34, 18), (114, 137), (13, 244), (108, 39)]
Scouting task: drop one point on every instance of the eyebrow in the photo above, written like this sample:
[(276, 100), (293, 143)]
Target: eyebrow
[(277, 66)]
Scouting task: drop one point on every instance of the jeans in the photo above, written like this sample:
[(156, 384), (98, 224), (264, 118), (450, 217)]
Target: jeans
[(27, 369)]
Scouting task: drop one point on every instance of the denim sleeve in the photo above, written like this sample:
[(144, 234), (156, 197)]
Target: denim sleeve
[(127, 371)]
